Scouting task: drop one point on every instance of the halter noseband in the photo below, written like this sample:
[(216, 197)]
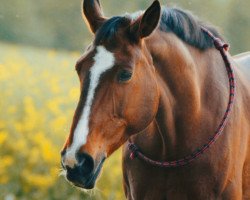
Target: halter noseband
[(222, 48)]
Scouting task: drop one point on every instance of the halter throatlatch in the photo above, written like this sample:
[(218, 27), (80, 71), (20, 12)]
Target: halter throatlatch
[(222, 47)]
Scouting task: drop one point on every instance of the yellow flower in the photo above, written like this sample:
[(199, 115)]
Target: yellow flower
[(74, 93), (3, 137), (6, 162), (41, 181), (5, 74)]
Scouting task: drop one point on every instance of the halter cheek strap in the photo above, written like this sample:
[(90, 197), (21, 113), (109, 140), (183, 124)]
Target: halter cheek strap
[(222, 48)]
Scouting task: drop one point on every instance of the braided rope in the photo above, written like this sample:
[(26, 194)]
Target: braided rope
[(222, 48)]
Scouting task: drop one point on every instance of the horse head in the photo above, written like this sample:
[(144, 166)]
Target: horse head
[(119, 93)]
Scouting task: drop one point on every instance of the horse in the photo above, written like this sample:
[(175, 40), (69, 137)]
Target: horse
[(154, 79)]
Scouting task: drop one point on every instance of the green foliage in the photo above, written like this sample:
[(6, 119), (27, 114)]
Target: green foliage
[(59, 24), (39, 92)]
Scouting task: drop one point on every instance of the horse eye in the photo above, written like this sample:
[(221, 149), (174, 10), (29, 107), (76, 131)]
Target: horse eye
[(124, 75)]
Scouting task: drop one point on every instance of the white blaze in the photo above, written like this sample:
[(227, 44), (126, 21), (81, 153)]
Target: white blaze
[(103, 60)]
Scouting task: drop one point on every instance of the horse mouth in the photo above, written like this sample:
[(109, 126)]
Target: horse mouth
[(89, 182)]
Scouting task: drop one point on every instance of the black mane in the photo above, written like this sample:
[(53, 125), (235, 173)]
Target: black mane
[(187, 27), (182, 23)]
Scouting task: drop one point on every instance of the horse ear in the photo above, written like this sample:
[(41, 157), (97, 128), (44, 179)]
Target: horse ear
[(148, 22), (93, 14)]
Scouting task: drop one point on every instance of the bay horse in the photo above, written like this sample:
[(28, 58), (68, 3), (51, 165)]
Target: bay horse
[(155, 80)]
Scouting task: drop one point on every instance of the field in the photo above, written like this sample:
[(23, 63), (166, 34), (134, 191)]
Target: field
[(39, 91)]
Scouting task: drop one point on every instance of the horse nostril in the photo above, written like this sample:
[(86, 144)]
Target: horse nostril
[(63, 152), (86, 163)]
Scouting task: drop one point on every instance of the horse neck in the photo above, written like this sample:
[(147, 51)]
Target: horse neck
[(191, 83)]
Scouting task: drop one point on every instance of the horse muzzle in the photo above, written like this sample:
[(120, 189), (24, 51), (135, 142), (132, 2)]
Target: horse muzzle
[(85, 172)]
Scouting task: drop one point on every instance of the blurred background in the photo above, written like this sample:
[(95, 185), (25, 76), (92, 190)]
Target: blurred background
[(40, 42)]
